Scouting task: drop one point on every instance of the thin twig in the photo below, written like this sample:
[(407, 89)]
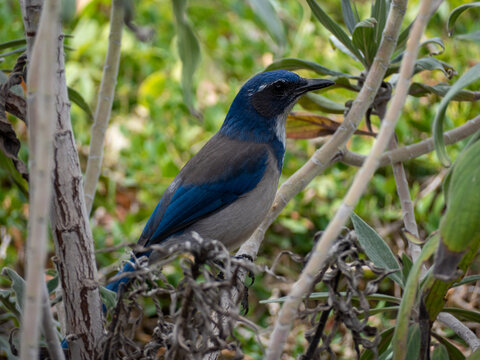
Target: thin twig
[(405, 203), (460, 329), (413, 151), (105, 101), (49, 328), (41, 113)]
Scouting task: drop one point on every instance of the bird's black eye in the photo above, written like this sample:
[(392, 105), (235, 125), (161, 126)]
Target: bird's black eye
[(278, 88)]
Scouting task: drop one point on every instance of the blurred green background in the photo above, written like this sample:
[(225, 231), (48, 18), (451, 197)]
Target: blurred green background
[(152, 133)]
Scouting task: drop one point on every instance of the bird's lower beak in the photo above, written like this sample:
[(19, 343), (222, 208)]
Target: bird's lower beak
[(314, 84)]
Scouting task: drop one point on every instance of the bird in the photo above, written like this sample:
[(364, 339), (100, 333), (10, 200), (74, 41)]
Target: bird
[(226, 189)]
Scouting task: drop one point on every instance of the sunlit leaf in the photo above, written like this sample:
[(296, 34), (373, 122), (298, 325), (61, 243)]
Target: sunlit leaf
[(267, 14), (348, 15), (364, 38), (303, 125), (452, 18), (297, 64), (188, 49), (334, 28), (376, 248), (466, 79), (78, 99)]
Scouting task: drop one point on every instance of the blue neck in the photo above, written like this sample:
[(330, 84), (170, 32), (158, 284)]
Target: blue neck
[(245, 124)]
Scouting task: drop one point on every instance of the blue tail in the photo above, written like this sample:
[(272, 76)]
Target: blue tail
[(115, 285)]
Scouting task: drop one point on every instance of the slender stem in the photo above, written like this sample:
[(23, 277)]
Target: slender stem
[(105, 101), (405, 202), (319, 255), (413, 151), (460, 329), (41, 112), (49, 329)]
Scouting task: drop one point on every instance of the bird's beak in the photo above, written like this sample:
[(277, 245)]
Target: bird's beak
[(313, 84)]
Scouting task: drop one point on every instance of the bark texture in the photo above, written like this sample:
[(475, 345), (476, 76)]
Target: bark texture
[(69, 221)]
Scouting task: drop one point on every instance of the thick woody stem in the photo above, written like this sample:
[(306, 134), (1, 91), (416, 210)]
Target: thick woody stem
[(41, 114), (70, 227)]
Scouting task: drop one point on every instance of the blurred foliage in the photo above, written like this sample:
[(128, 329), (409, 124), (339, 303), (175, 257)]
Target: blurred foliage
[(152, 132)]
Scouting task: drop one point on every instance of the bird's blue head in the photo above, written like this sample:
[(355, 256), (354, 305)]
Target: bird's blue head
[(260, 108)]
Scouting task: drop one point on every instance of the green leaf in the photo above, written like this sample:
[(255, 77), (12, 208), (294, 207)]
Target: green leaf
[(18, 285), (413, 343), (435, 41), (52, 284), (463, 314), (364, 38), (466, 280), (12, 43), (268, 16), (311, 101), (380, 13), (13, 52), (402, 41), (323, 295), (408, 300), (385, 339), (452, 18), (7, 299), (473, 36), (419, 89), (348, 15), (337, 44), (440, 353), (189, 51), (7, 164), (425, 63), (475, 355), (334, 28), (430, 63), (406, 267), (78, 99), (376, 249), (297, 64), (466, 79), (109, 298), (453, 352)]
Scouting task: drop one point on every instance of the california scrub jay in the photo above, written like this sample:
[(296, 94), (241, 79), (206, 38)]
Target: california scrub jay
[(227, 188)]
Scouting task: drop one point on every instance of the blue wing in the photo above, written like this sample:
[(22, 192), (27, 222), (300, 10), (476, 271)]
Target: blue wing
[(221, 172)]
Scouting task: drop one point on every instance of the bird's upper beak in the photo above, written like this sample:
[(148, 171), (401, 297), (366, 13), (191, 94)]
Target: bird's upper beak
[(313, 84)]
